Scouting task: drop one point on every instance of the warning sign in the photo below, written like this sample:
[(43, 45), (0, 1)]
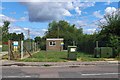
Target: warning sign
[(15, 43), (62, 43), (15, 48)]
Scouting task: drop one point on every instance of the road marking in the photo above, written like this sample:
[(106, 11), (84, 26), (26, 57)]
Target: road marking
[(20, 76), (95, 74)]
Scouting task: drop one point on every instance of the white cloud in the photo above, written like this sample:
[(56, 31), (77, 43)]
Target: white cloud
[(1, 24), (25, 12), (66, 13), (34, 33), (80, 23), (69, 6), (4, 18), (108, 2), (23, 19), (78, 10), (44, 30), (25, 28), (110, 10), (18, 30), (97, 14), (83, 4), (89, 31)]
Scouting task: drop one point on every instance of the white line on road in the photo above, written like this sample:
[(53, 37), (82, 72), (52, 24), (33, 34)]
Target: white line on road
[(19, 76), (95, 74)]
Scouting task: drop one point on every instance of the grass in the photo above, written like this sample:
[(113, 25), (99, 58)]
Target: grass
[(47, 56), (87, 57), (5, 48), (53, 56)]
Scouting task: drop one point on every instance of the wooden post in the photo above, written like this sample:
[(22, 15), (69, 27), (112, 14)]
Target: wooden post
[(97, 44), (21, 49), (9, 49), (35, 47)]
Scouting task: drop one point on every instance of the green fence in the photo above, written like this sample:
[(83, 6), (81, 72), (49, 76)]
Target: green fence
[(104, 52)]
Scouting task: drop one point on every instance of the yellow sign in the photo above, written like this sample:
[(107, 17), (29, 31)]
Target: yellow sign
[(15, 48), (62, 43)]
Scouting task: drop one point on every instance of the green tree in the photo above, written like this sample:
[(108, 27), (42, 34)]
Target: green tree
[(37, 39), (21, 36), (5, 31), (63, 29), (110, 30)]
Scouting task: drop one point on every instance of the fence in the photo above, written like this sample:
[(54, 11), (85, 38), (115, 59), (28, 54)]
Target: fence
[(89, 46), (20, 49), (0, 39)]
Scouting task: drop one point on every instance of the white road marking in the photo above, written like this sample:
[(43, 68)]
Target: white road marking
[(20, 76), (95, 74)]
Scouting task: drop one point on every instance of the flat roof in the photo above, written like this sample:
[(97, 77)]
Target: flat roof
[(54, 39)]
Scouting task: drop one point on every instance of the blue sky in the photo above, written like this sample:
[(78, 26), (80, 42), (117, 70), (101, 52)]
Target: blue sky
[(36, 16)]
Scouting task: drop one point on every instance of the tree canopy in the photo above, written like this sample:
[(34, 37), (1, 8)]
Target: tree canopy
[(10, 36), (63, 29)]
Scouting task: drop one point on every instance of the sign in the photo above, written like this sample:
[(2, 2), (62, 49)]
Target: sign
[(0, 46), (15, 48), (73, 49), (15, 43), (62, 43)]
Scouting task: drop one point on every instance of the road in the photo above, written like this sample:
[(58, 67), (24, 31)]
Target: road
[(78, 71)]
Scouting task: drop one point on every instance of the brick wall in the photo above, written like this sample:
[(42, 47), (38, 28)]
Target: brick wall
[(56, 47)]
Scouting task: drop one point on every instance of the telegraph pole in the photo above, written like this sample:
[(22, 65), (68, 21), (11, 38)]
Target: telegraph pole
[(28, 34)]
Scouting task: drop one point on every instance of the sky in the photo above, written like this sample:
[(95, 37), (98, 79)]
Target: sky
[(36, 16)]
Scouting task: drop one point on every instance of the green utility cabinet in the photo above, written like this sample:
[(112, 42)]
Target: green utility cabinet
[(104, 52), (72, 55)]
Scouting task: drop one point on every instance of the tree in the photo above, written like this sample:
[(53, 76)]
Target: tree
[(15, 37), (21, 36), (37, 39), (5, 31), (111, 25), (63, 29), (110, 30)]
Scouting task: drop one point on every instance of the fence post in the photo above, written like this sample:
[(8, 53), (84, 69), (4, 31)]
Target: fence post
[(21, 49), (35, 46), (9, 49), (97, 44)]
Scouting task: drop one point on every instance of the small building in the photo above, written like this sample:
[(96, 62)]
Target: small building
[(55, 44)]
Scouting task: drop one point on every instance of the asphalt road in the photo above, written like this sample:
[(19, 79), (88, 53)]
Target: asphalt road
[(81, 71)]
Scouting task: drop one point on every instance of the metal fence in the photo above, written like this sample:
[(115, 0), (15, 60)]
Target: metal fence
[(21, 49)]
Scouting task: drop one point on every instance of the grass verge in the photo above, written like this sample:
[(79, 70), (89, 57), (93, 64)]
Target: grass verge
[(54, 56)]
